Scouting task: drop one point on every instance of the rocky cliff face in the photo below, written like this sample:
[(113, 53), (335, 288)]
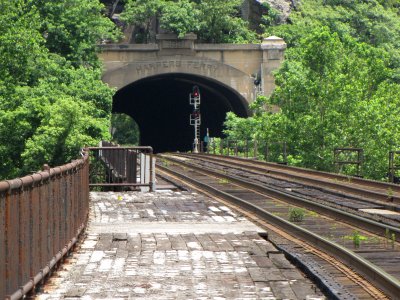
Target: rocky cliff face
[(283, 6), (252, 10)]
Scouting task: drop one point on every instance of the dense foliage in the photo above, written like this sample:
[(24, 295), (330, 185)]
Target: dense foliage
[(52, 100), (215, 21), (338, 87), (124, 130)]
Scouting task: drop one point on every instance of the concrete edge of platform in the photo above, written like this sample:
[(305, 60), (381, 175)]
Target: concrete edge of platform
[(330, 287)]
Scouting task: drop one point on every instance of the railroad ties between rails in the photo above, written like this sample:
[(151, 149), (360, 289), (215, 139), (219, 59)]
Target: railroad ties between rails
[(359, 230)]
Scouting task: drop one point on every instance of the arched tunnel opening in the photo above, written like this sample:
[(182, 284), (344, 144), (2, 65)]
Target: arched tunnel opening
[(160, 106)]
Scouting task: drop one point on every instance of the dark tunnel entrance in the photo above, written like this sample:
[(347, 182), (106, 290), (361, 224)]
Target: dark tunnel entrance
[(160, 106)]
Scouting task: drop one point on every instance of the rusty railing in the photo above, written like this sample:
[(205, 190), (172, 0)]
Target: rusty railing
[(41, 218), (113, 166)]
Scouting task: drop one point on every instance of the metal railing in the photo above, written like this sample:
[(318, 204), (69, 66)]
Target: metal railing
[(112, 166), (41, 218), (348, 157), (394, 167)]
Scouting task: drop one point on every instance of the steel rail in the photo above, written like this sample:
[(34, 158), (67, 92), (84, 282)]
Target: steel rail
[(333, 187), (282, 170), (367, 224), (382, 279)]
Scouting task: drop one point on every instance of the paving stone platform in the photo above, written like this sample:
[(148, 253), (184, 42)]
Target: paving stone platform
[(174, 245)]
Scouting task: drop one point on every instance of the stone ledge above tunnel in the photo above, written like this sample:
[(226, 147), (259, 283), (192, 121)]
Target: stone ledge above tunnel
[(238, 66), (225, 74)]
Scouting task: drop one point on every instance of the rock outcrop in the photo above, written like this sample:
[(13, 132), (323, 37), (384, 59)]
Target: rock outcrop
[(253, 10)]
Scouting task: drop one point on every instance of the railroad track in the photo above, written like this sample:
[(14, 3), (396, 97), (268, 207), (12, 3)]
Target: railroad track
[(371, 199), (372, 253)]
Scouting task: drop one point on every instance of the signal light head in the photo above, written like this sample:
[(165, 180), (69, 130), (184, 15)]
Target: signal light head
[(196, 92)]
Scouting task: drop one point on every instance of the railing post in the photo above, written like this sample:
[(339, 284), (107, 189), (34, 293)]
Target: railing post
[(152, 173), (236, 148), (284, 153)]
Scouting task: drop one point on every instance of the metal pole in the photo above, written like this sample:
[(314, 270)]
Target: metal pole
[(236, 148), (152, 173), (284, 153), (391, 169)]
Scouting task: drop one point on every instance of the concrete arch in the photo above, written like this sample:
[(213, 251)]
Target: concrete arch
[(124, 74)]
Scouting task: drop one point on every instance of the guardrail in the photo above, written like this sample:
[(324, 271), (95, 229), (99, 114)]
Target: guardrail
[(113, 166), (41, 218)]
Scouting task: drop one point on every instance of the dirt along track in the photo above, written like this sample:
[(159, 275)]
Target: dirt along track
[(374, 252)]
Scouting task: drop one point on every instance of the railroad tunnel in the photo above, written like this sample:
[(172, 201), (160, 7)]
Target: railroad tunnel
[(160, 106)]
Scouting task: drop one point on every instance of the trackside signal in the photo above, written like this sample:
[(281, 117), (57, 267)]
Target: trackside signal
[(195, 116)]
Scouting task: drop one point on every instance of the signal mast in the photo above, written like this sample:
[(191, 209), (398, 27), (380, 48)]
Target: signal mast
[(195, 116)]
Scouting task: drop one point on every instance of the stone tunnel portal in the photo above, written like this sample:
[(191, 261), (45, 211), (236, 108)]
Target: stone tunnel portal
[(160, 106)]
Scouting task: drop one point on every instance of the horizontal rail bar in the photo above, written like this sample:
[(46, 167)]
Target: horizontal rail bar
[(39, 177), (122, 148), (119, 184)]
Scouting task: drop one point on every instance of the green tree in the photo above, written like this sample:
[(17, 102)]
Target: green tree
[(336, 88), (220, 22), (214, 21), (50, 106), (143, 13), (72, 28), (125, 130), (180, 17), (21, 45)]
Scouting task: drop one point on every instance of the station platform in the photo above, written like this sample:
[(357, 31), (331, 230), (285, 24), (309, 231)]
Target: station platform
[(174, 245)]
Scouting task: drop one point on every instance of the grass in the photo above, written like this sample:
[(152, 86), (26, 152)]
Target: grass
[(357, 238), (165, 162), (223, 181), (296, 214), (390, 237)]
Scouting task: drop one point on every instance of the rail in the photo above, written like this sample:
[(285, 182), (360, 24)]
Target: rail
[(278, 152), (113, 166), (375, 274), (41, 218)]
